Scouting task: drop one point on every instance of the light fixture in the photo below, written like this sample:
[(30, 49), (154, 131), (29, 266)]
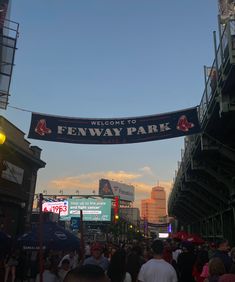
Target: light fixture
[(2, 136)]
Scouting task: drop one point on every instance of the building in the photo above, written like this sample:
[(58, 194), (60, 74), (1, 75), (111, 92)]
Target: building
[(153, 210), (19, 163), (131, 215), (9, 32)]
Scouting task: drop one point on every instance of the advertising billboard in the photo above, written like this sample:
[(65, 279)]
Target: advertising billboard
[(56, 207), (113, 188), (92, 209)]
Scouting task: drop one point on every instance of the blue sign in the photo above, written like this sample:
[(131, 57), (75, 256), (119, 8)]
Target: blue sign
[(116, 130), (75, 222)]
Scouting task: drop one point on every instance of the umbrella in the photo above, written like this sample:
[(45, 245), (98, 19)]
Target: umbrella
[(181, 235), (54, 237), (196, 239)]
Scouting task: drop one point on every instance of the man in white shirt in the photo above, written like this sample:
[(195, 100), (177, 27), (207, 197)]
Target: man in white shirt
[(157, 269)]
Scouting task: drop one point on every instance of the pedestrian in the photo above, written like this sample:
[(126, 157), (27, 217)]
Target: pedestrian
[(222, 253), (134, 262), (86, 273), (97, 257), (201, 259), (72, 260), (64, 269), (117, 267), (11, 263), (186, 262), (216, 269), (48, 274), (157, 269)]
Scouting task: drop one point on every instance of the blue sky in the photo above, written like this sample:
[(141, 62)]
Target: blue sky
[(105, 59)]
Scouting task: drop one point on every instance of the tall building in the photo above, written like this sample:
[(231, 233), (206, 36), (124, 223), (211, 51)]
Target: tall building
[(154, 209)]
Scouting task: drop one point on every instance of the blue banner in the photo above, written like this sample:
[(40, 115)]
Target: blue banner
[(116, 130)]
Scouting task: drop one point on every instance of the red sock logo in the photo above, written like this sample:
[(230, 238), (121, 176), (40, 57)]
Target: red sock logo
[(183, 124), (42, 128)]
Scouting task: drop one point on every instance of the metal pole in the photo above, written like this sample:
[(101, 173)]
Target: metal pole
[(82, 236), (41, 262)]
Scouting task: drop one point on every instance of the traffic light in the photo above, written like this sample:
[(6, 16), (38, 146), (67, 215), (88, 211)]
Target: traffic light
[(116, 209)]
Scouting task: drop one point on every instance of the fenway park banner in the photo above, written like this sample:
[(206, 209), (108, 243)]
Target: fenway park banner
[(115, 130)]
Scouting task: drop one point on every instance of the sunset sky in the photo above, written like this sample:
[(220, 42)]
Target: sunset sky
[(107, 59)]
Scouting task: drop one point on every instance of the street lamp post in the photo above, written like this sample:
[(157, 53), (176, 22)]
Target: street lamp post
[(2, 136)]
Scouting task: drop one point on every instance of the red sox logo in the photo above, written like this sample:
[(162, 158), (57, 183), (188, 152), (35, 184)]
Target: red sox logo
[(183, 124), (42, 128)]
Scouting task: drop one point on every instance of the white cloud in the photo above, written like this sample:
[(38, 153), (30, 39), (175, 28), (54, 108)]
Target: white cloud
[(89, 182), (147, 170)]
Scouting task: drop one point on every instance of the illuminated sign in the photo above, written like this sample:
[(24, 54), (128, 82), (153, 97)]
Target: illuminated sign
[(92, 209), (163, 235), (56, 207)]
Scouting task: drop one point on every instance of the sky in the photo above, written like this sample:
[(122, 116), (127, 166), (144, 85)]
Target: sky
[(109, 59)]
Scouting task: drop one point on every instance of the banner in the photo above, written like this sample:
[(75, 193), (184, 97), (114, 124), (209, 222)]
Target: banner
[(116, 130)]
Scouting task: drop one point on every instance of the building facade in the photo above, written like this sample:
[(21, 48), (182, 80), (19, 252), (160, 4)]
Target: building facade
[(19, 163), (153, 210)]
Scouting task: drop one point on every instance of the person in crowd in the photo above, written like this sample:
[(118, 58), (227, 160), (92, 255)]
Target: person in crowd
[(48, 274), (134, 262), (186, 262), (176, 251), (222, 253), (201, 259), (86, 273), (232, 255), (87, 250), (64, 269), (117, 268), (228, 277), (97, 257), (157, 269), (11, 263), (167, 253), (72, 260), (212, 250), (216, 269)]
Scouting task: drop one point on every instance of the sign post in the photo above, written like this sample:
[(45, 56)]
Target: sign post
[(82, 236)]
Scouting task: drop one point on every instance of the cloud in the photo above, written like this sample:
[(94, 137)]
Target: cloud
[(89, 182), (147, 170), (86, 183)]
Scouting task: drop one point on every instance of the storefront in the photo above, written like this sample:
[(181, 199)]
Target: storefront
[(19, 163)]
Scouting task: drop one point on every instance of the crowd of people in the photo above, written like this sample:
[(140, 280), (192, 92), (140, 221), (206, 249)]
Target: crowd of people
[(157, 261)]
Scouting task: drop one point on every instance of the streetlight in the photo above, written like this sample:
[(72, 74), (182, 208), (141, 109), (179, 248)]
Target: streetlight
[(2, 136)]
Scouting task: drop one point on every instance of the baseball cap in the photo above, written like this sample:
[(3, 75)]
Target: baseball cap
[(96, 246)]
